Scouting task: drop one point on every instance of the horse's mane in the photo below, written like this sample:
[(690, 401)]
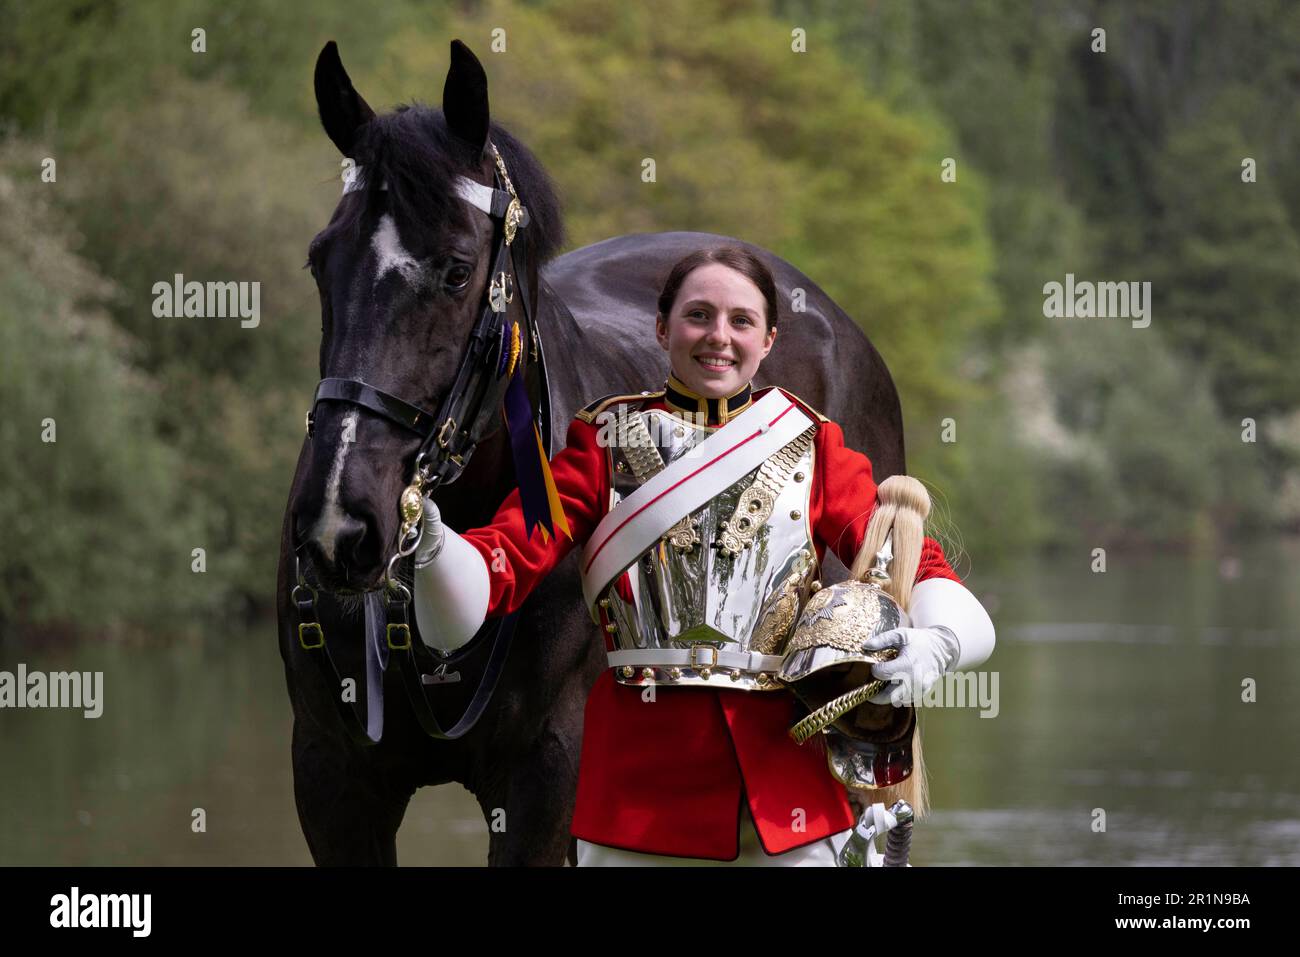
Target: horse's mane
[(411, 150)]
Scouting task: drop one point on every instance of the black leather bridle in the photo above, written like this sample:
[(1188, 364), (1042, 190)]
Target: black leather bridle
[(448, 439)]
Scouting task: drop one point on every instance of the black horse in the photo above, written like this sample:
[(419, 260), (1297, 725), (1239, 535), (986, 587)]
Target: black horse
[(402, 273)]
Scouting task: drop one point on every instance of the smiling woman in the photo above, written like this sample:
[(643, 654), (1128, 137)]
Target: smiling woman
[(717, 320), (704, 511)]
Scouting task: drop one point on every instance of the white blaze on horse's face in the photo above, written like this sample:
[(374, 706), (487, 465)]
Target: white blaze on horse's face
[(390, 254), (716, 336), (331, 516)]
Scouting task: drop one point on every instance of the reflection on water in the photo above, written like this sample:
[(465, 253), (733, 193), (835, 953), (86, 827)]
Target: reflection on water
[(1119, 691)]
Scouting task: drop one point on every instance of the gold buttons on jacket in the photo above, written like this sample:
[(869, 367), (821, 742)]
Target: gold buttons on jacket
[(798, 476)]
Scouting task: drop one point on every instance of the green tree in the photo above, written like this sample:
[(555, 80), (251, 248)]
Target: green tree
[(98, 535)]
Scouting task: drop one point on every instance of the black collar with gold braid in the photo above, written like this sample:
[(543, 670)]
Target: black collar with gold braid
[(701, 410)]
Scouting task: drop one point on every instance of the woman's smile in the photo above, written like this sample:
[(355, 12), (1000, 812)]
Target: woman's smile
[(717, 332)]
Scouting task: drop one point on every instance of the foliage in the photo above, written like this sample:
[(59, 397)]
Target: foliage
[(97, 536), (175, 433)]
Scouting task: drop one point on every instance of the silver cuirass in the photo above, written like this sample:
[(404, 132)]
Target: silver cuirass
[(715, 599)]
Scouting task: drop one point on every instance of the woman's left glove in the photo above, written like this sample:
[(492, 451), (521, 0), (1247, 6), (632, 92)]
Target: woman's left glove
[(950, 631), (924, 654)]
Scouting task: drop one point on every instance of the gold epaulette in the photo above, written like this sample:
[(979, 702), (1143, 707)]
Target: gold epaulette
[(588, 413), (806, 407)]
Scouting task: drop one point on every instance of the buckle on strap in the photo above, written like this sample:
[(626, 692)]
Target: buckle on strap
[(695, 658), (310, 635), (398, 636)]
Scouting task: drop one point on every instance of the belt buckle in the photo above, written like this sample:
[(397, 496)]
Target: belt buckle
[(695, 662)]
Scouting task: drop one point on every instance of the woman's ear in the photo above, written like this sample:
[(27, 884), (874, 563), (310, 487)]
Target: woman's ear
[(771, 341), (661, 329)]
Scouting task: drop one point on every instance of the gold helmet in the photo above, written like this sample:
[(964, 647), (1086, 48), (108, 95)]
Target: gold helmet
[(826, 667)]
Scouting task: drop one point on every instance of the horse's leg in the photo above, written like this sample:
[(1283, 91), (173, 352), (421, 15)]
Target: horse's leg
[(537, 798), (346, 816), (535, 779)]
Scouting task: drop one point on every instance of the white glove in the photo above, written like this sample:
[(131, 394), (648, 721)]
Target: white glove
[(451, 585), (924, 654), (951, 632), (431, 534)]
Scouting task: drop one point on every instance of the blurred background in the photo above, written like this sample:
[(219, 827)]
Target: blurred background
[(1175, 448)]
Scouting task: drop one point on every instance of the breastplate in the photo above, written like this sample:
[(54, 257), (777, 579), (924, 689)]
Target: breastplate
[(732, 575)]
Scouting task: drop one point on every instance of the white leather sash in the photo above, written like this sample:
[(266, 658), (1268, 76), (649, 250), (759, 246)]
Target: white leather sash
[(711, 467)]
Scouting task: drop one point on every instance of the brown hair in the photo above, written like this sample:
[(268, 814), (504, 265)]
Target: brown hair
[(734, 257)]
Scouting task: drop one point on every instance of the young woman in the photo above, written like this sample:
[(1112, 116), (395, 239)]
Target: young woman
[(704, 510)]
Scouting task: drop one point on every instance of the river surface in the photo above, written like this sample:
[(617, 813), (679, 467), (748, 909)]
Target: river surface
[(1121, 736)]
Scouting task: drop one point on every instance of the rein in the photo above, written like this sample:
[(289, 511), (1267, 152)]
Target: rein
[(489, 381)]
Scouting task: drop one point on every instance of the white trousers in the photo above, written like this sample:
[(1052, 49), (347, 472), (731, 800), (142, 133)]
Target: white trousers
[(821, 853)]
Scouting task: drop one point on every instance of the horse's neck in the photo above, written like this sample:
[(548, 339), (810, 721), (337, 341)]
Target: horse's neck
[(566, 350), (489, 477)]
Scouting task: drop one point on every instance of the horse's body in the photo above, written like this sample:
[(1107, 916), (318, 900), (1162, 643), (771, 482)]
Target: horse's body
[(595, 312)]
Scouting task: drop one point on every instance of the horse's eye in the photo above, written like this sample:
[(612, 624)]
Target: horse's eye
[(458, 276)]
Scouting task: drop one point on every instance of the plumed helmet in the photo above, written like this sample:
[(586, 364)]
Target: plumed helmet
[(829, 671), (824, 659)]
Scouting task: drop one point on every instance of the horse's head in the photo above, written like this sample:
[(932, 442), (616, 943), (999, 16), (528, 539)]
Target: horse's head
[(402, 268)]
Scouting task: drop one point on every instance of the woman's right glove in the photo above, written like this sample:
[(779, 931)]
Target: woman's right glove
[(451, 585), (431, 534)]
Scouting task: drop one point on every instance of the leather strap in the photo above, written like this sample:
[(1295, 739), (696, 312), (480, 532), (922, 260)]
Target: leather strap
[(414, 658), (311, 638)]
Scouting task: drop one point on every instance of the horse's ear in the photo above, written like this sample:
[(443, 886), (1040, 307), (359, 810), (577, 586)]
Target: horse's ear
[(342, 110), (465, 97)]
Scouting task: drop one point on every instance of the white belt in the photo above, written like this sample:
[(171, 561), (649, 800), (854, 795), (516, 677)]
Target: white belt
[(697, 656)]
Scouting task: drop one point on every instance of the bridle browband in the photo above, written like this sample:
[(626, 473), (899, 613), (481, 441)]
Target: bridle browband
[(463, 419), (471, 407)]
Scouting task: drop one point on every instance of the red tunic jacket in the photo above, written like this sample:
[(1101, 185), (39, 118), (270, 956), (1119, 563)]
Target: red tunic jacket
[(667, 776)]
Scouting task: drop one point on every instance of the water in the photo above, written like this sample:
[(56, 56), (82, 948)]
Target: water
[(1119, 691)]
